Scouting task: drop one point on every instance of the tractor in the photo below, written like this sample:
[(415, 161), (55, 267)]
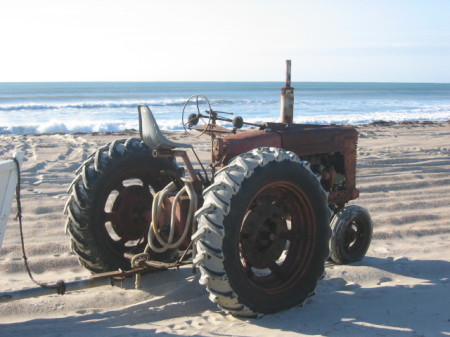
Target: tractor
[(259, 222)]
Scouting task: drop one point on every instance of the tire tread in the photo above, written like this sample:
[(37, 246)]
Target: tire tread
[(227, 183)]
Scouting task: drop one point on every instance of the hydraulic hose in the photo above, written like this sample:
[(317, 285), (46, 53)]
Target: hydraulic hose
[(156, 211)]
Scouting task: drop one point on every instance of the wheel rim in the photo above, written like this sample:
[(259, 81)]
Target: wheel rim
[(126, 212), (355, 237), (276, 237)]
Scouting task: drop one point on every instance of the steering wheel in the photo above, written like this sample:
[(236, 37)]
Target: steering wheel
[(192, 114)]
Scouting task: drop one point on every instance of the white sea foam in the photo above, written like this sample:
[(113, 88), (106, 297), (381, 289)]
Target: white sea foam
[(71, 126)]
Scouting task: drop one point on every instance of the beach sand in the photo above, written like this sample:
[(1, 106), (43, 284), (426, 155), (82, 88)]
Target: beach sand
[(401, 288)]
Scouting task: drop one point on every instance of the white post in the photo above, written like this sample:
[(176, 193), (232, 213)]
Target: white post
[(8, 182)]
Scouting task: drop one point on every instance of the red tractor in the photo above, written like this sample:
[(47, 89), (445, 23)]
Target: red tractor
[(259, 223)]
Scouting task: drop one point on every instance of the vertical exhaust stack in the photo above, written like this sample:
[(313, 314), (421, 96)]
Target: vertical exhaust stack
[(287, 98)]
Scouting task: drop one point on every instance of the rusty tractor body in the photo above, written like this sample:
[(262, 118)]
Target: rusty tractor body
[(259, 223), (331, 151)]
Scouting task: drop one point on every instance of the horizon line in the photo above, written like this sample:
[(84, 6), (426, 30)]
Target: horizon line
[(227, 81)]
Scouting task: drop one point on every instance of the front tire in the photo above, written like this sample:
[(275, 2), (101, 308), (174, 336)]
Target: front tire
[(109, 208), (351, 234), (263, 233)]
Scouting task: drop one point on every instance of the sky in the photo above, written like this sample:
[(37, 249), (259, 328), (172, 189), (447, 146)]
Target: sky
[(225, 40)]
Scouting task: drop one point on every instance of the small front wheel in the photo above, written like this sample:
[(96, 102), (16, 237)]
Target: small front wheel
[(351, 234)]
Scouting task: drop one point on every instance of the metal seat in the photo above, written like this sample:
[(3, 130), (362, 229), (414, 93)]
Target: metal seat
[(151, 134)]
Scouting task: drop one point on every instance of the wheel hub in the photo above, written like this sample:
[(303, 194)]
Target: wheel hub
[(260, 237), (133, 207)]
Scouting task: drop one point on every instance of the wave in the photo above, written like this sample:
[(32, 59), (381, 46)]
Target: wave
[(65, 127), (172, 124), (72, 126), (86, 105), (177, 102)]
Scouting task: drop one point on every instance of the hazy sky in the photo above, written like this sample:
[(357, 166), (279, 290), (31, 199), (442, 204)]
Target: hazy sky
[(241, 40)]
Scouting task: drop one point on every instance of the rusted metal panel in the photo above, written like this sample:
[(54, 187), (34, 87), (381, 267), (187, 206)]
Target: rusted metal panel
[(305, 141), (343, 196), (315, 139), (230, 146)]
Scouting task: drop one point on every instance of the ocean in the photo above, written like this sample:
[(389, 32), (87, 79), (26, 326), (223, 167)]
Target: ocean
[(112, 106)]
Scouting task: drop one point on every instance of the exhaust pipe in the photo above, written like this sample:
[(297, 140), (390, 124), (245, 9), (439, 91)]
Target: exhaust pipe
[(287, 98)]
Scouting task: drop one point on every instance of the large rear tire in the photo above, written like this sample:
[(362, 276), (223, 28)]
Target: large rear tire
[(263, 233), (109, 208)]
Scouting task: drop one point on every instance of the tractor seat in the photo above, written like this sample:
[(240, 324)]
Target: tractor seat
[(151, 134)]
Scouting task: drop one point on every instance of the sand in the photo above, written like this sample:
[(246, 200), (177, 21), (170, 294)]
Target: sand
[(401, 288)]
